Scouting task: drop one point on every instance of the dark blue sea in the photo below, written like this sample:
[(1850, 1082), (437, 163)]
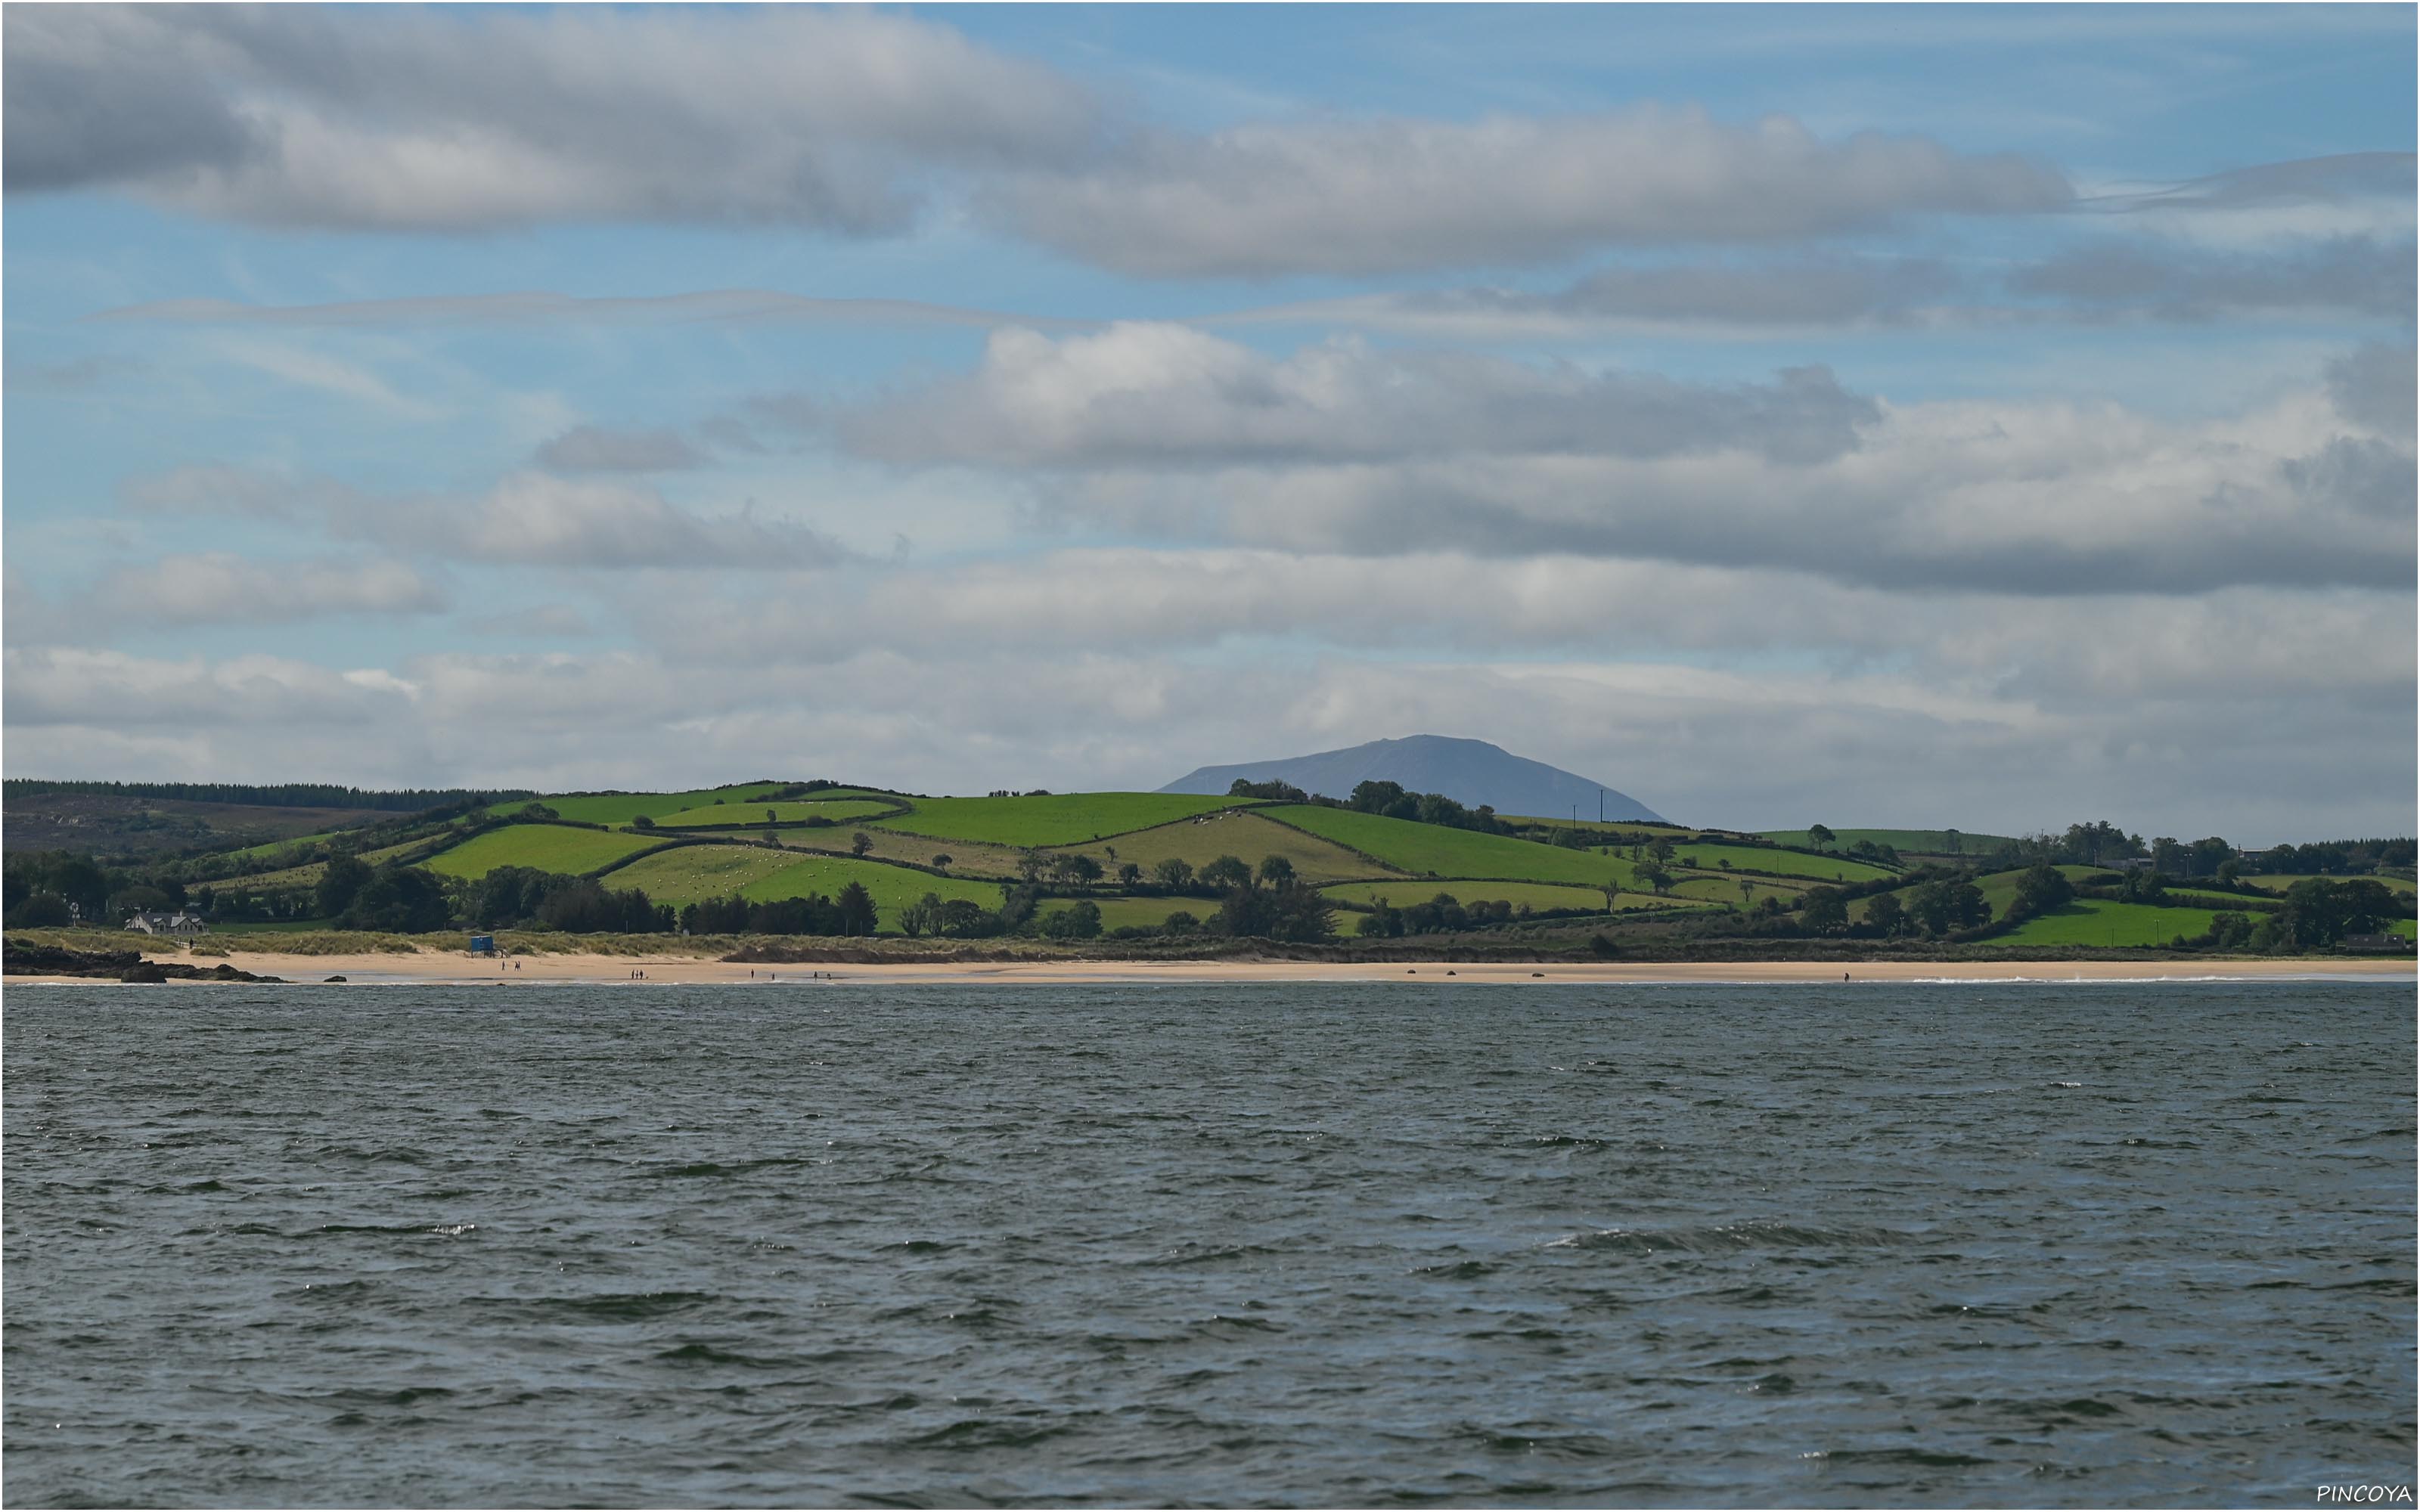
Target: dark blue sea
[(825, 1243)]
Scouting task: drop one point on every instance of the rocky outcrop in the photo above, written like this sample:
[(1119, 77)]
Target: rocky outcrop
[(17, 959)]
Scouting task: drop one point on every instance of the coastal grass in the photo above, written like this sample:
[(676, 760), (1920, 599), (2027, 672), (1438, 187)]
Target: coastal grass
[(1054, 819), (1245, 834), (728, 815), (557, 848)]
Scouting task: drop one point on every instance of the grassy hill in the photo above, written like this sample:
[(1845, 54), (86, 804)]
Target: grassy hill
[(1907, 842), (556, 848), (893, 886), (2097, 921), (1247, 834), (621, 808), (1052, 819), (797, 811)]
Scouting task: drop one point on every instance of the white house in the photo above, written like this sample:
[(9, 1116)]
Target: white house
[(184, 921)]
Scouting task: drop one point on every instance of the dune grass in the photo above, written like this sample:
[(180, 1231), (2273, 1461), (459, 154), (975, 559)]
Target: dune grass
[(1243, 833), (547, 847), (1058, 819)]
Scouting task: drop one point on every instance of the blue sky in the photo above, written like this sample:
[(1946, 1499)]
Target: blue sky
[(1972, 415)]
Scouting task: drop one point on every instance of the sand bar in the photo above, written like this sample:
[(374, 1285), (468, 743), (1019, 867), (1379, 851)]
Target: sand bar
[(368, 969)]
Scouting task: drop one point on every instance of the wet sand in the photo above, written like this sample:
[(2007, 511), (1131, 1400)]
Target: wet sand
[(426, 967)]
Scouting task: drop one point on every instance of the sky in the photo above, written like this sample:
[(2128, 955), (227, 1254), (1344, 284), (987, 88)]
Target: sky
[(1977, 416)]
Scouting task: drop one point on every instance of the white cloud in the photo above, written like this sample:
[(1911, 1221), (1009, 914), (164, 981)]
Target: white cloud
[(1379, 196), (434, 120)]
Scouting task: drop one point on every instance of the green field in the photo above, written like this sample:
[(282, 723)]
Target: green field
[(547, 847), (1432, 849), (1782, 863), (2409, 929), (2000, 889), (1405, 891), (1058, 819), (1919, 842), (1242, 833), (2279, 883), (2097, 921), (1723, 889), (685, 873), (621, 808), (727, 815), (893, 886)]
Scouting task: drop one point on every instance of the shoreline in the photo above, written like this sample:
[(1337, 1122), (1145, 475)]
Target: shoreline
[(427, 969)]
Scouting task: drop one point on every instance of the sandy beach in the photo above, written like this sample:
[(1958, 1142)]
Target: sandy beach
[(369, 969)]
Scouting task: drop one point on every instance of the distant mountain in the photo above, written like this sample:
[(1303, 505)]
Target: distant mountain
[(1470, 772)]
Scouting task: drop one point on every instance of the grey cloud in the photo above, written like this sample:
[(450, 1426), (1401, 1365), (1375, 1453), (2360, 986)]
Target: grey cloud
[(2361, 275), (2374, 386), (597, 449), (434, 120), (73, 376), (1358, 197), (539, 621), (1174, 395), (2035, 500)]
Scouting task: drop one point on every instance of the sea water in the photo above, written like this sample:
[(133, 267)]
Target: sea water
[(842, 1242)]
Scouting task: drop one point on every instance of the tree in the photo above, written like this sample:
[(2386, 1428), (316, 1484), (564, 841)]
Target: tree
[(1276, 870), (1819, 837), (924, 913), (858, 843), (1082, 921), (1611, 887), (960, 917), (2039, 889), (1886, 916), (1129, 876), (1747, 889), (339, 881), (1953, 841), (1825, 911), (643, 822), (1174, 874), (771, 817), (1179, 922), (400, 898), (1656, 877), (1662, 851), (40, 910), (1227, 873), (941, 860), (857, 912), (1030, 864)]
